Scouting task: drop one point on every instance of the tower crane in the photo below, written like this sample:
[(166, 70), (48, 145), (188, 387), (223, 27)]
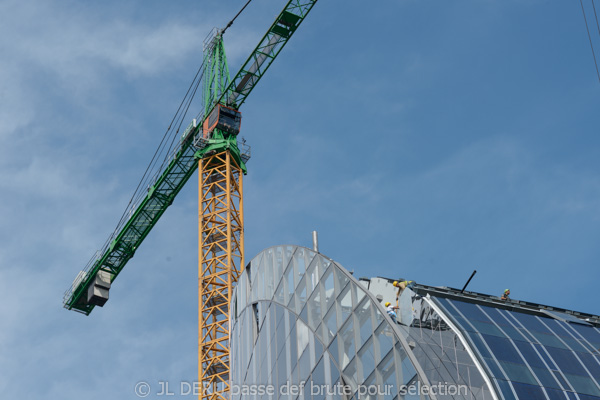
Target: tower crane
[(210, 145)]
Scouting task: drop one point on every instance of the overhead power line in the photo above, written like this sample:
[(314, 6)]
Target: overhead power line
[(590, 37), (596, 15)]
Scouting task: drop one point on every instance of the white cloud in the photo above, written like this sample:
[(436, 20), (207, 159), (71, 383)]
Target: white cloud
[(70, 41)]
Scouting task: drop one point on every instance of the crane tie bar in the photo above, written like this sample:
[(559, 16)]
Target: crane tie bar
[(237, 15)]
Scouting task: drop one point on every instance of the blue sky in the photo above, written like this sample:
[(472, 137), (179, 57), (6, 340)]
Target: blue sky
[(422, 139)]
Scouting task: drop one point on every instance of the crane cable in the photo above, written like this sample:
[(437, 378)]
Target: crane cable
[(189, 103), (161, 145), (236, 15), (589, 36), (185, 103)]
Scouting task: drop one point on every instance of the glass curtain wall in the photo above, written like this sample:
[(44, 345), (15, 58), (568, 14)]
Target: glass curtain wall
[(531, 356), (441, 352), (300, 318)]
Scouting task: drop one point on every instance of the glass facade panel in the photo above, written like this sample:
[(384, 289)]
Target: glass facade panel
[(546, 377), (561, 379), (303, 318), (344, 301), (300, 261), (388, 374), (592, 363), (334, 351), (348, 343), (367, 359), (289, 280), (301, 293), (341, 280), (365, 322), (358, 294), (350, 374), (304, 365), (502, 348), (567, 361), (318, 379), (314, 273), (583, 384), (554, 394), (529, 391), (529, 353), (506, 389), (302, 337), (517, 372), (269, 276), (329, 287), (281, 296), (591, 335), (530, 356), (314, 309), (330, 324), (384, 337)]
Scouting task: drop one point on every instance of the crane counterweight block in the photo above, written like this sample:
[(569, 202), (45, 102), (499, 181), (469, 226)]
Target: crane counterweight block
[(98, 291)]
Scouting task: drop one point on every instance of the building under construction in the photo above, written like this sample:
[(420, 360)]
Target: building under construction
[(301, 322), (293, 320)]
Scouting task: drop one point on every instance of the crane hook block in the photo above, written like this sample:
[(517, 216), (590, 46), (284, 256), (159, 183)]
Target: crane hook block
[(223, 118)]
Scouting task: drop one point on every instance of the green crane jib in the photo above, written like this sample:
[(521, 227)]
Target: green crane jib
[(91, 286)]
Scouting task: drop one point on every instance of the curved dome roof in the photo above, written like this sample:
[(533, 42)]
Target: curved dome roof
[(297, 316)]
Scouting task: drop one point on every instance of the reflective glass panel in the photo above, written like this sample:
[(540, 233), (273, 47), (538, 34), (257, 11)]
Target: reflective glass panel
[(538, 355), (345, 303), (367, 359), (346, 334), (302, 333), (330, 324), (329, 287), (365, 323)]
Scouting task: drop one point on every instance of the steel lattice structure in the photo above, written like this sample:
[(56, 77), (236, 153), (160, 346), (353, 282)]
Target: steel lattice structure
[(220, 261)]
